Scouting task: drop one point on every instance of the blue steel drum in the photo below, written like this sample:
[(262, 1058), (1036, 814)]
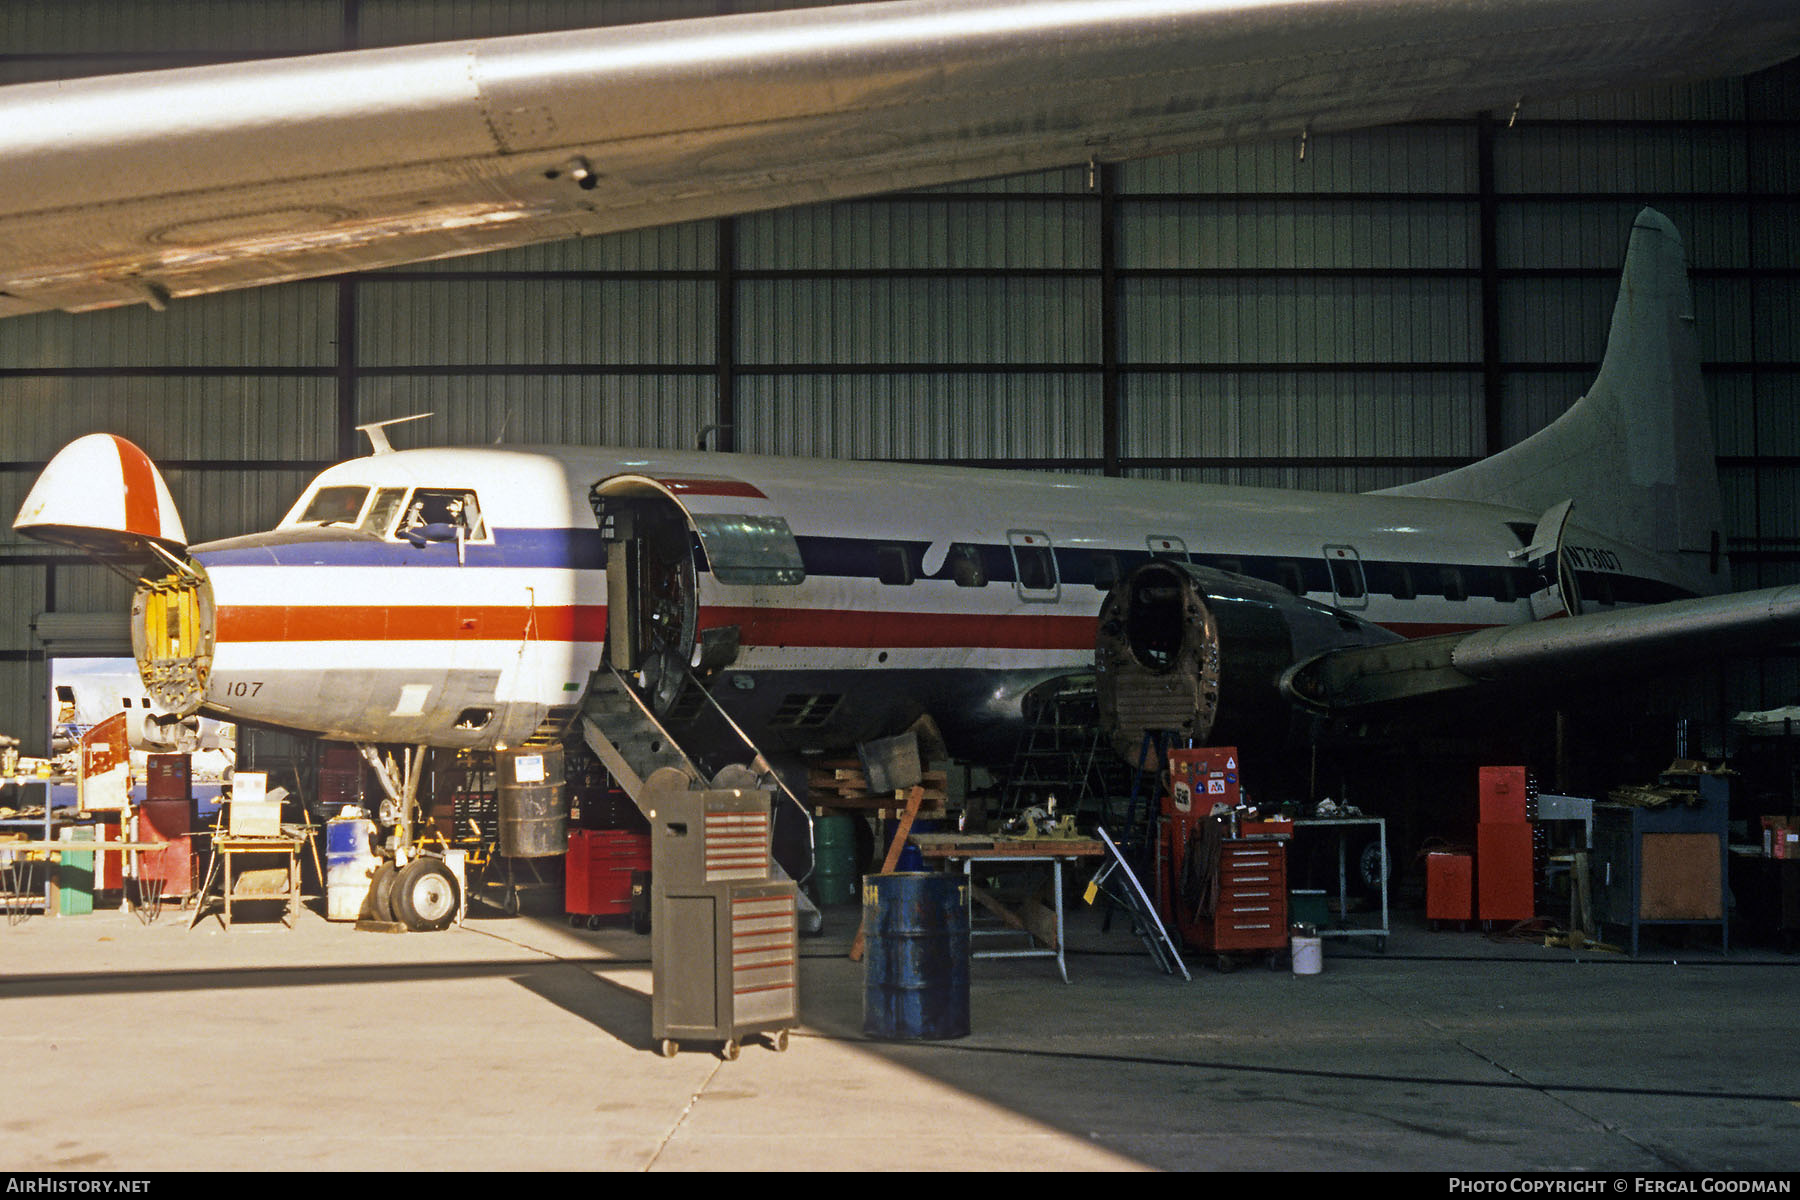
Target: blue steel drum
[(916, 955)]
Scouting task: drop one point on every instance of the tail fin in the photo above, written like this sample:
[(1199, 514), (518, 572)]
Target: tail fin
[(1635, 453)]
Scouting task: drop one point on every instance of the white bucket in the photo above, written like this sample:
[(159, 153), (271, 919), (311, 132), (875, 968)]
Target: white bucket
[(1308, 955)]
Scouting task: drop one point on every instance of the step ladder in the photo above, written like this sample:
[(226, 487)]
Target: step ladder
[(1116, 882), (1062, 752), (1152, 758)]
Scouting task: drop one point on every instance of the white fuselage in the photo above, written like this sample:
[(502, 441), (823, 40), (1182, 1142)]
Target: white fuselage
[(919, 576)]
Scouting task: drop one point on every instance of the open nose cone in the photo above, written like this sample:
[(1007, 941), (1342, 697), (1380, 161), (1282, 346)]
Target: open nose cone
[(104, 495)]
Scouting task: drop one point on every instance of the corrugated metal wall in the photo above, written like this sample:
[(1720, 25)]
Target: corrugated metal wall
[(1352, 313)]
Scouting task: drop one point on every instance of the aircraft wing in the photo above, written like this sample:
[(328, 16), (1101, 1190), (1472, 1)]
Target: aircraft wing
[(138, 188), (1625, 641)]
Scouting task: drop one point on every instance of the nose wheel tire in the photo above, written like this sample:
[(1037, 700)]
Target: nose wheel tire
[(425, 895)]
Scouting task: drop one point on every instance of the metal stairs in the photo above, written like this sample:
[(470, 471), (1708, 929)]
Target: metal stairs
[(621, 730), (633, 744)]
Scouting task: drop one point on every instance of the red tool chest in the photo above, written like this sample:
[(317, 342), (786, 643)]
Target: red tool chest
[(1505, 876), (1252, 910), (1249, 905), (600, 863), (1504, 882), (1449, 887), (170, 821), (1505, 795)]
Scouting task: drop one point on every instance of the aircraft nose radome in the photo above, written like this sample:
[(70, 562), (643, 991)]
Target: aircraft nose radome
[(101, 492)]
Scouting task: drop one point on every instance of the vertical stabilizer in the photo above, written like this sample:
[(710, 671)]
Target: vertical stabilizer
[(1636, 453)]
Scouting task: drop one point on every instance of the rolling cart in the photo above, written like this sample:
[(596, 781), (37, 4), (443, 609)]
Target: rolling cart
[(724, 938)]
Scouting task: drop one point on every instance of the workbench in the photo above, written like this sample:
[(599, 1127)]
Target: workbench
[(225, 868), (1343, 826), (1666, 865), (14, 868), (1030, 916)]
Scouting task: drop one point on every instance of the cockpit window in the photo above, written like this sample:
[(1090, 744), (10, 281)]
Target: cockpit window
[(334, 506), (445, 506), (380, 518)]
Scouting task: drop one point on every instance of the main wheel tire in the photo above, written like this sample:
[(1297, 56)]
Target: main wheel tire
[(1369, 870), (425, 895), (380, 904)]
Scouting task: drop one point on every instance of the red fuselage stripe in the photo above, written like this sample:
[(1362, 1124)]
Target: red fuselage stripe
[(712, 487), (409, 623), (799, 627), (587, 623)]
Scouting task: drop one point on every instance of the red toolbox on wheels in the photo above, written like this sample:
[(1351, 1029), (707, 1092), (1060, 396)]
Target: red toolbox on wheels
[(598, 878)]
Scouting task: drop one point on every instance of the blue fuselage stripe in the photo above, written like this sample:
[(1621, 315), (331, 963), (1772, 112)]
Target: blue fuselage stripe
[(860, 558)]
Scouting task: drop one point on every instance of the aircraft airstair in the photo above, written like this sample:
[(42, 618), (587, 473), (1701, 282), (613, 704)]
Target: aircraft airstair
[(634, 744), (619, 727)]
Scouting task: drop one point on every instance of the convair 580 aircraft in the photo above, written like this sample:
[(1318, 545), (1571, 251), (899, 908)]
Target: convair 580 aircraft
[(488, 597)]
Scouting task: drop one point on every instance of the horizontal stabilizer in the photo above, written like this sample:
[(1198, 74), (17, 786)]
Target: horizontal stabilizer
[(1633, 640), (103, 495)]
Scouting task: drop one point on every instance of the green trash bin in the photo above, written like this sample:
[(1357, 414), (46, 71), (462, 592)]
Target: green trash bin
[(75, 875)]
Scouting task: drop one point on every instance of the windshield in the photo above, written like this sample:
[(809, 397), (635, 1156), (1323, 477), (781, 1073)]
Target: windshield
[(382, 512), (334, 505)]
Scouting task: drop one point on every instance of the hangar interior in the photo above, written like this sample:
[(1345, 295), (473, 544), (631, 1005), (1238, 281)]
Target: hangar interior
[(1346, 313)]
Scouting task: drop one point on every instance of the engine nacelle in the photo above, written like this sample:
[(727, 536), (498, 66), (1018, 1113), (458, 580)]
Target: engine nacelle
[(1200, 653)]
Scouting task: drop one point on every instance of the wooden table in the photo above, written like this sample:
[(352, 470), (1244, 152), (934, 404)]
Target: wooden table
[(227, 848), (1032, 917)]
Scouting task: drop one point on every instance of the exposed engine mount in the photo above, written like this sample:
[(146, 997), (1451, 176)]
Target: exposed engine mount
[(1200, 653)]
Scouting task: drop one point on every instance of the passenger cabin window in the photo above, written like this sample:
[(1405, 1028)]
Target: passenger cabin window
[(1034, 565), (1346, 573), (1283, 573), (1500, 586), (1401, 586), (1450, 583), (456, 507), (891, 565), (1106, 571), (334, 506), (965, 566)]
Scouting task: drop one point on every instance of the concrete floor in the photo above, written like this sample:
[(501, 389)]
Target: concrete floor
[(523, 1044)]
